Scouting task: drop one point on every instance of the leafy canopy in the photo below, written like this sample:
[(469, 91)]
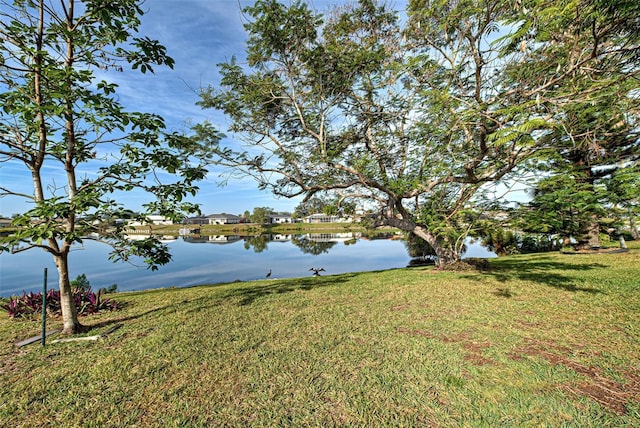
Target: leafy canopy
[(65, 126)]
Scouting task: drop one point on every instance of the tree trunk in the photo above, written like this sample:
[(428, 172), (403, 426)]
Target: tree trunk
[(71, 325), (445, 251), (446, 256), (623, 243), (634, 229), (591, 239)]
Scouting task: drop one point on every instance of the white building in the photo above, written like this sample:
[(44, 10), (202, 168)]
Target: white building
[(157, 220), (280, 218)]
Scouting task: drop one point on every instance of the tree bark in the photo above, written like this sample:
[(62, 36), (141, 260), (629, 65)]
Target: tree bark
[(71, 325), (623, 243), (634, 229), (594, 234), (592, 238), (445, 251)]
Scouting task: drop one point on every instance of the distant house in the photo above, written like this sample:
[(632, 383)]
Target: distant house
[(197, 220), (215, 219), (223, 239), (280, 218), (224, 219), (212, 239), (279, 237), (5, 222), (153, 220), (323, 218)]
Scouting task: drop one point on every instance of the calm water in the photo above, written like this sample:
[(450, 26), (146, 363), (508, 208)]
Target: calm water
[(213, 259)]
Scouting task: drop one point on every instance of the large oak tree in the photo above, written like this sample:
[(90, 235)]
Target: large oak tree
[(414, 116)]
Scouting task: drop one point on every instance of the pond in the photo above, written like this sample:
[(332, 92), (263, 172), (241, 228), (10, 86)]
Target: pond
[(215, 259)]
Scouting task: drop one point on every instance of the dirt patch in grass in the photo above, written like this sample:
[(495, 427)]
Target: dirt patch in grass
[(9, 363), (469, 264), (610, 394), (474, 353), (417, 332), (473, 349)]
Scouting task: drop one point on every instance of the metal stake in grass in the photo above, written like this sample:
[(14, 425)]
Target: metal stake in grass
[(44, 309)]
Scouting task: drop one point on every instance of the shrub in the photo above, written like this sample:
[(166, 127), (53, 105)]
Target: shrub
[(30, 304), (113, 288), (539, 243)]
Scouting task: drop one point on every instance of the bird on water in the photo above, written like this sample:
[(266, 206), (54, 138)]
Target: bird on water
[(269, 274), (316, 271)]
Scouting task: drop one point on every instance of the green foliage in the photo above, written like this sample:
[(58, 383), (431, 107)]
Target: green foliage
[(259, 243), (113, 288), (503, 240), (75, 116), (498, 239), (418, 248), (415, 117), (81, 282), (579, 68), (260, 215), (623, 188), (561, 205), (68, 131)]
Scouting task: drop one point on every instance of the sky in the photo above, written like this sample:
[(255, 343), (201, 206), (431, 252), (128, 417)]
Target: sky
[(198, 34)]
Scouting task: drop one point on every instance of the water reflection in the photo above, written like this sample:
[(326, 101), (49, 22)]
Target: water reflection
[(310, 243), (213, 239), (228, 258)]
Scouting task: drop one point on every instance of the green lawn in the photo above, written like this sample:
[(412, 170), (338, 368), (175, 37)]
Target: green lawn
[(539, 340)]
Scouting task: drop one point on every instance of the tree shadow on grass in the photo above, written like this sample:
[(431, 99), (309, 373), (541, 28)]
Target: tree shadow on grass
[(543, 270), (122, 319), (247, 293), (177, 305), (255, 290)]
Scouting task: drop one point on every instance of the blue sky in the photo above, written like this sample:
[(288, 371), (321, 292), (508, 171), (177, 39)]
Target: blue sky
[(198, 35)]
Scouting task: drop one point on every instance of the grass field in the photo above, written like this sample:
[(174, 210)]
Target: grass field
[(538, 340)]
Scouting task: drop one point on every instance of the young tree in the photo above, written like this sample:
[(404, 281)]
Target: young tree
[(562, 205), (78, 144)]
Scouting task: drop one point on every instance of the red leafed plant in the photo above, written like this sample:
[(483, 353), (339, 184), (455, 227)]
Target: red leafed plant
[(30, 304)]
